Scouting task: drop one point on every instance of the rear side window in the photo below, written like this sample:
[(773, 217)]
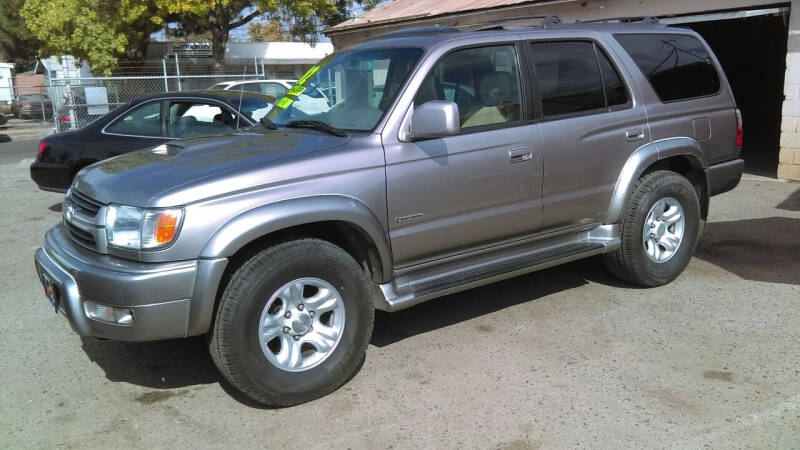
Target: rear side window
[(575, 77), (678, 66), (273, 89)]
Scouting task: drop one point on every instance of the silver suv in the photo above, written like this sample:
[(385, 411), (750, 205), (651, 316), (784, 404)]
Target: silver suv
[(447, 159)]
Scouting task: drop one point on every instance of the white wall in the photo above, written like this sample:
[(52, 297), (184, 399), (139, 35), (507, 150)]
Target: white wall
[(6, 84), (789, 156)]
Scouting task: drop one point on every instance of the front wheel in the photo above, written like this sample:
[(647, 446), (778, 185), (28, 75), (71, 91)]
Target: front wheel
[(658, 231), (293, 323)]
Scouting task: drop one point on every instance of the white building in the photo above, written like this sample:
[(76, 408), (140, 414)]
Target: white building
[(6, 84), (273, 59)]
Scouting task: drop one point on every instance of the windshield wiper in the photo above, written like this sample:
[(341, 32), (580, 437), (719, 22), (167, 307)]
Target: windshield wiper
[(316, 125), (266, 123)]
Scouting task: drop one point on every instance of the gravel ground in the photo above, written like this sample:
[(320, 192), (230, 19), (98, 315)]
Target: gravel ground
[(566, 357)]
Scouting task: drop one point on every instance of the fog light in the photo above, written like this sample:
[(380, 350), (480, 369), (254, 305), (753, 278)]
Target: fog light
[(109, 314)]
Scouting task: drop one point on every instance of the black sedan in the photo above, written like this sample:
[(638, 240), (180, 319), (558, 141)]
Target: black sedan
[(142, 123)]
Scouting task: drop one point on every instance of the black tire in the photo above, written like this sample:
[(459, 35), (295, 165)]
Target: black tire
[(234, 343), (630, 262)]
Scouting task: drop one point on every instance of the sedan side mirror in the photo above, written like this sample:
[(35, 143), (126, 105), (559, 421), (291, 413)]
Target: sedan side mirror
[(432, 119)]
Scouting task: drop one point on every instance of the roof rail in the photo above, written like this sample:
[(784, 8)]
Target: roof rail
[(648, 20), (415, 31), (549, 21), (499, 24)]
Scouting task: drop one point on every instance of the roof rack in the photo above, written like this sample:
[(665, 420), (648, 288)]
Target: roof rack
[(647, 20), (415, 31), (550, 21), (499, 24)]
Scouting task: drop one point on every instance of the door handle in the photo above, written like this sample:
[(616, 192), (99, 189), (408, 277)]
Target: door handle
[(520, 155), (635, 135)]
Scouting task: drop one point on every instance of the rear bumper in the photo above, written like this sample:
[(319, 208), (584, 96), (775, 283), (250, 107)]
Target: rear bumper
[(724, 177), (51, 177), (168, 300)]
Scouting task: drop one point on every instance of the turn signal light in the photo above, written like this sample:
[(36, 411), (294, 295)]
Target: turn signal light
[(166, 225)]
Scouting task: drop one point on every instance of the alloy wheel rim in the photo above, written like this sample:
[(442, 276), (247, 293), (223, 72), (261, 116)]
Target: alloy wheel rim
[(663, 230), (301, 324)]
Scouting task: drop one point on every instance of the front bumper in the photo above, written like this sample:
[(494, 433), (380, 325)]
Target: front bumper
[(168, 300)]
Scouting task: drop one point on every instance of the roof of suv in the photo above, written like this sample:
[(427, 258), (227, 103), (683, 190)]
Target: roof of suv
[(429, 37)]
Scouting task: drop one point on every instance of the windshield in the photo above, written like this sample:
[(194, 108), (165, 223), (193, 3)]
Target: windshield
[(348, 90)]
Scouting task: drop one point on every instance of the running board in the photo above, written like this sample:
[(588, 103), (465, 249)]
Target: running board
[(447, 278)]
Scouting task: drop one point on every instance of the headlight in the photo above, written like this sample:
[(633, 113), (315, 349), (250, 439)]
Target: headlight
[(139, 228)]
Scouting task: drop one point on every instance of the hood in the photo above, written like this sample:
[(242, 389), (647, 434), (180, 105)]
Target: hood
[(138, 177)]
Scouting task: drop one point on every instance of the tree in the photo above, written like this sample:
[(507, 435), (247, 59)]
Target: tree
[(270, 31), (302, 17), (102, 32), (17, 43), (98, 31)]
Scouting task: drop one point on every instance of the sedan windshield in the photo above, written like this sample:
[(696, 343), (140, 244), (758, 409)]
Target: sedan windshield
[(349, 90)]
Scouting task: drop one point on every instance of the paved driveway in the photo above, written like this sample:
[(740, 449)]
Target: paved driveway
[(565, 357)]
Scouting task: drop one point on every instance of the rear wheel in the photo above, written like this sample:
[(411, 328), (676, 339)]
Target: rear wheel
[(658, 231), (293, 323)]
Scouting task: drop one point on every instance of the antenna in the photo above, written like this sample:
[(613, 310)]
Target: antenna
[(241, 93)]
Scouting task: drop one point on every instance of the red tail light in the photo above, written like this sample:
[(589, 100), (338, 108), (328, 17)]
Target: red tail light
[(739, 129), (42, 147), (63, 118)]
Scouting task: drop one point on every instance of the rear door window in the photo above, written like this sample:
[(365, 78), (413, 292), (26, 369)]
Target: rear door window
[(142, 121), (575, 77), (678, 66), (616, 93), (567, 77)]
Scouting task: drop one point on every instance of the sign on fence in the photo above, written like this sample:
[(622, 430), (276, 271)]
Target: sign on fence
[(96, 100)]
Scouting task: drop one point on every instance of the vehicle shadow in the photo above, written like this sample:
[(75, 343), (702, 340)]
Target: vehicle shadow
[(56, 207), (159, 365), (766, 250), (459, 307), (179, 363)]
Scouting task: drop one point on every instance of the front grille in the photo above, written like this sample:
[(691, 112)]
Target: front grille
[(80, 217), (80, 236), (84, 204)]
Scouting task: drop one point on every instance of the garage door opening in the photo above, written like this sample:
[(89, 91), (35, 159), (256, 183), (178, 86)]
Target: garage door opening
[(752, 51)]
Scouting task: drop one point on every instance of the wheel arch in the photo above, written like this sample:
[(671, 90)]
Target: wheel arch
[(682, 155), (343, 221)]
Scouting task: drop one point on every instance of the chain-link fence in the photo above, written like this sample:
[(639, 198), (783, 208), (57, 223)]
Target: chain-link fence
[(78, 101), (27, 99)]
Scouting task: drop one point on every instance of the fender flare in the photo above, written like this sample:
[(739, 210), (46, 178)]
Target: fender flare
[(266, 219), (644, 157)]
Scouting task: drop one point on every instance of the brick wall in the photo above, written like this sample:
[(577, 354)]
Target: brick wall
[(29, 84), (789, 156)]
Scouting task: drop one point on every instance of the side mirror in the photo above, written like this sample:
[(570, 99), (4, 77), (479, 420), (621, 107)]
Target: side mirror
[(432, 119)]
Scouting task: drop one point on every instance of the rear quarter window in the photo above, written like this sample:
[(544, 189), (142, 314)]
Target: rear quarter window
[(678, 66)]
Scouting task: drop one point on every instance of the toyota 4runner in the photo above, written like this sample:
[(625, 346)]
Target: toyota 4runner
[(447, 159)]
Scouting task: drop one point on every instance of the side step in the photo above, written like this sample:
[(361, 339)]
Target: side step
[(465, 273)]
